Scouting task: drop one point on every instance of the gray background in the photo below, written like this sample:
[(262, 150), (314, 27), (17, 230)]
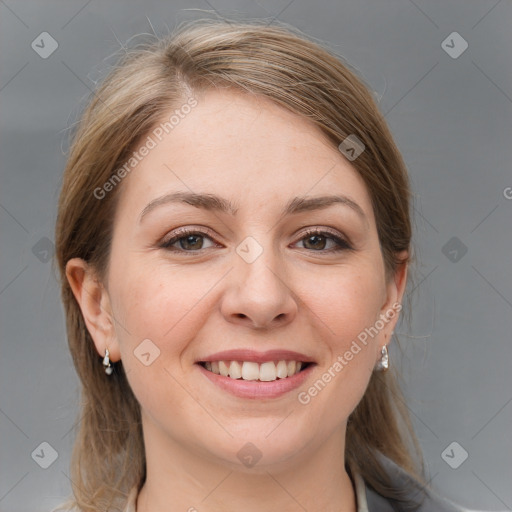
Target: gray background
[(452, 119)]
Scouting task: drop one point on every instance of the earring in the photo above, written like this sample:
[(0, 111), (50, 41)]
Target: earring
[(106, 363), (383, 364)]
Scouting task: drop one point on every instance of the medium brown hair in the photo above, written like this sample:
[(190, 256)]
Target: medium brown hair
[(298, 74)]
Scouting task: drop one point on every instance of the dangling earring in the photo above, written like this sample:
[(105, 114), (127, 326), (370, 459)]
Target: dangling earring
[(106, 363), (383, 364)]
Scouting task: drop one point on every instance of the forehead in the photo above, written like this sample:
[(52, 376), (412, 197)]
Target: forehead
[(242, 147)]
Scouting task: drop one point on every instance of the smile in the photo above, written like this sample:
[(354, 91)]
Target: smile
[(250, 384), (267, 371)]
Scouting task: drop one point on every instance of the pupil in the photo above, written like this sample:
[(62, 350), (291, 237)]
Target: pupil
[(316, 238), (191, 241)]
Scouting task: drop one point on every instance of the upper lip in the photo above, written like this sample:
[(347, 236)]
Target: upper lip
[(257, 357)]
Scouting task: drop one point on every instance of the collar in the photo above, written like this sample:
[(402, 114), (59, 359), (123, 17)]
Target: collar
[(359, 487)]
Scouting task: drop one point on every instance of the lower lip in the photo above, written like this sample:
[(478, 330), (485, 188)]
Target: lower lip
[(255, 389)]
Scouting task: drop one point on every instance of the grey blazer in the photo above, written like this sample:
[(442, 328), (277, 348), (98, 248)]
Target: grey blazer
[(428, 500)]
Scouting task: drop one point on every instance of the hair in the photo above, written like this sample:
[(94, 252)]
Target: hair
[(307, 78)]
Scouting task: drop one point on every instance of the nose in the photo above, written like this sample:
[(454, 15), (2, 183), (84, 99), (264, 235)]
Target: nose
[(258, 294)]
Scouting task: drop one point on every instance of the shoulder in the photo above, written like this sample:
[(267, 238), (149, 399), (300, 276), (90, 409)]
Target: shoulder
[(426, 500)]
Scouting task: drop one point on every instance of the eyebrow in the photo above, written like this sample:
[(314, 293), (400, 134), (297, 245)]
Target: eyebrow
[(213, 202)]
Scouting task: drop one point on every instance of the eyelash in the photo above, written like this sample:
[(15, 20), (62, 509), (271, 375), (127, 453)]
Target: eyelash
[(342, 244)]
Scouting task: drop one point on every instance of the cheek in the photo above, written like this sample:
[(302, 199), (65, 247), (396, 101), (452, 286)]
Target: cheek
[(162, 311), (347, 301), (344, 305), (159, 303)]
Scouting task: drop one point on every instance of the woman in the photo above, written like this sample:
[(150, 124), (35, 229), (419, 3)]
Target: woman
[(233, 238)]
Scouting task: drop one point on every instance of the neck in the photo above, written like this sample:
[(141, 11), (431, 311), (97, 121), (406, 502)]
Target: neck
[(181, 479)]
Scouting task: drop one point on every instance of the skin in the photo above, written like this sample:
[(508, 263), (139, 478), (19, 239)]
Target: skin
[(298, 295)]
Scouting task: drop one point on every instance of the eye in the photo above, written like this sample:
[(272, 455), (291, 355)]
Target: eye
[(195, 240), (187, 240), (317, 240)]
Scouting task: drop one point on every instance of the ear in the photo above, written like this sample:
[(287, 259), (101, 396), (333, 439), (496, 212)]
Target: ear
[(395, 289), (94, 302)]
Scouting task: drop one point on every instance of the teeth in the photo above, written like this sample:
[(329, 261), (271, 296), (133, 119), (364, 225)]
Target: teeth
[(268, 371), (282, 370), (235, 370), (249, 370), (223, 368)]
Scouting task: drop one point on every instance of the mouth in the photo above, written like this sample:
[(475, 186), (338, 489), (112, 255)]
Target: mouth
[(267, 371), (255, 380), (255, 375)]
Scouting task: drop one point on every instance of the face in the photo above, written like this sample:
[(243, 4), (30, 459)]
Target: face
[(260, 267)]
